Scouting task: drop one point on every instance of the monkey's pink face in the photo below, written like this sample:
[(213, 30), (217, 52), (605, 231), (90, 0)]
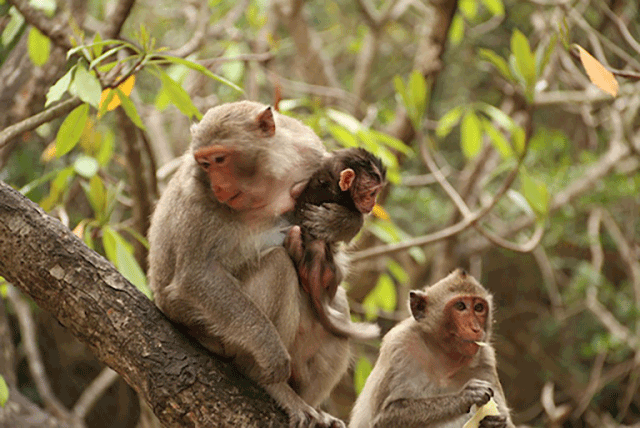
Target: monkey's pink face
[(233, 178), (466, 318)]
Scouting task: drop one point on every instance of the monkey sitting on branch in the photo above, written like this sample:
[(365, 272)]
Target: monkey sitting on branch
[(210, 273), (331, 209), (434, 366)]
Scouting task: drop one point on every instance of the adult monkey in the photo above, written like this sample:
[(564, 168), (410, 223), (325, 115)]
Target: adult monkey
[(207, 269), (432, 368)]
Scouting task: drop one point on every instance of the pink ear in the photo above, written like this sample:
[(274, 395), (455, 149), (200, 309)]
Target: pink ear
[(266, 122), (346, 178)]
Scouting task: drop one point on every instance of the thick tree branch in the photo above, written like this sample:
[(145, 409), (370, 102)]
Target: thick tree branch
[(182, 383)]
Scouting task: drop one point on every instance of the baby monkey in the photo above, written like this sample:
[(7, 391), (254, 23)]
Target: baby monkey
[(329, 210)]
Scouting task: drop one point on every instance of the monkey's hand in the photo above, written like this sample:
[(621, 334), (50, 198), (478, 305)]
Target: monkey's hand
[(493, 421), (314, 261), (311, 417), (477, 392)]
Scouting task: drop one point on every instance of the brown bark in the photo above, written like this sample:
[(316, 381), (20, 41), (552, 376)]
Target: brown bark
[(182, 383)]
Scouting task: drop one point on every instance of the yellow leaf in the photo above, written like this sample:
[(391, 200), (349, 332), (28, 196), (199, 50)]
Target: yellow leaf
[(79, 230), (126, 87), (379, 212), (49, 153), (599, 76)]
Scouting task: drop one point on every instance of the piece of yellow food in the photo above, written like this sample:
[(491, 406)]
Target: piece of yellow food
[(488, 409)]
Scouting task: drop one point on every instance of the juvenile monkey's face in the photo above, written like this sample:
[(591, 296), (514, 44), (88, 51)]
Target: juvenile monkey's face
[(465, 323)]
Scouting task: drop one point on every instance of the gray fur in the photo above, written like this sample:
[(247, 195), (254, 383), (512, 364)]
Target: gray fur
[(408, 387)]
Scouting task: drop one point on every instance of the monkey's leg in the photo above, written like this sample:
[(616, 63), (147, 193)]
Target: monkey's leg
[(323, 356), (275, 289)]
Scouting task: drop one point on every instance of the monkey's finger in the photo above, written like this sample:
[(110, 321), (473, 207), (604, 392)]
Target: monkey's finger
[(293, 244)]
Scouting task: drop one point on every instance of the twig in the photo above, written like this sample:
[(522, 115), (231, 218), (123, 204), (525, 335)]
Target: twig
[(93, 392), (549, 280), (449, 231), (57, 31), (466, 212), (593, 386), (622, 29), (34, 359), (626, 252), (583, 184), (33, 122), (199, 35)]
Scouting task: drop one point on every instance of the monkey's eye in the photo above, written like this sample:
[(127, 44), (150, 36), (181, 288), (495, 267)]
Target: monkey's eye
[(373, 194), (460, 306), (205, 165), (219, 159), (479, 307)]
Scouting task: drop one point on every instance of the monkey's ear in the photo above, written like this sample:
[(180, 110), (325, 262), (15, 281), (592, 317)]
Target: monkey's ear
[(418, 304), (266, 122), (347, 176)]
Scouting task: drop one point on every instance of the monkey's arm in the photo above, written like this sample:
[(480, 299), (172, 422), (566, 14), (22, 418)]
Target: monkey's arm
[(210, 302), (331, 222), (420, 412)]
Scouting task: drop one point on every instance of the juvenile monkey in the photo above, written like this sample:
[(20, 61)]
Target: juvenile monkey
[(431, 368), (209, 274), (331, 209)]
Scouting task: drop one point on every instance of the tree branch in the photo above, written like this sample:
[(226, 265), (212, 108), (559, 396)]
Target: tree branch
[(34, 121), (117, 18), (182, 383), (57, 31)]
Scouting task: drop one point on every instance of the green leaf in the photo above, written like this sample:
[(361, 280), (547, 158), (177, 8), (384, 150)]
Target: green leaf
[(383, 296), (448, 121), (86, 166), (525, 60), (503, 119), (469, 8), (39, 47), (470, 135), (13, 28), (342, 136), (390, 141), (361, 373), (59, 88), (47, 6), (130, 109), (97, 47), (86, 86), (178, 96), (97, 195), (541, 63), (201, 69), (456, 30), (497, 61), (518, 136), (498, 140), (345, 120), (71, 130), (233, 70), (535, 192), (107, 146), (398, 272), (417, 97), (4, 391), (120, 253), (496, 7)]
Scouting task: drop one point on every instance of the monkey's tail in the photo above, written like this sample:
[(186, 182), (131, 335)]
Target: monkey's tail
[(340, 324)]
